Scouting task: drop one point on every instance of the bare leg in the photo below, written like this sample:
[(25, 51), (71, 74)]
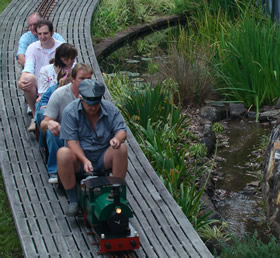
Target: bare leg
[(67, 164), (117, 160), (28, 83)]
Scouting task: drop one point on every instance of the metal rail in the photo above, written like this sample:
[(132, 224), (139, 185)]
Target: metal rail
[(46, 7)]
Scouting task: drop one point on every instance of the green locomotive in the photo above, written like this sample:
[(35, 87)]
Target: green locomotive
[(105, 207)]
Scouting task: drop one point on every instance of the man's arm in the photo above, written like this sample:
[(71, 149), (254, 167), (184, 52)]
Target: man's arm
[(75, 146), (24, 42), (21, 59), (58, 37), (118, 139), (51, 124)]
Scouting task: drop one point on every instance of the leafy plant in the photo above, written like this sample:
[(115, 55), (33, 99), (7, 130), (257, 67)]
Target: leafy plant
[(162, 132), (250, 246), (247, 62), (217, 232)]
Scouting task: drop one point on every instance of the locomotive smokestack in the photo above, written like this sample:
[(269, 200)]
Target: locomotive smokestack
[(116, 190)]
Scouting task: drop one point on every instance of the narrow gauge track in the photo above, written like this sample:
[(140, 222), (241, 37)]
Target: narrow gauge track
[(46, 8)]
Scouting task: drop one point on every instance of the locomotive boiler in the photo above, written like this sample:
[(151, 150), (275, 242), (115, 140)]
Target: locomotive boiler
[(105, 207)]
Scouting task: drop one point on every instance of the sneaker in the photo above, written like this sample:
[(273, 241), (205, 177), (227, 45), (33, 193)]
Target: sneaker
[(53, 178), (73, 209), (32, 126), (29, 112)]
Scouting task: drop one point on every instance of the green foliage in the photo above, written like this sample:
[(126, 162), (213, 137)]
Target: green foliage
[(3, 4), (152, 68), (250, 246), (189, 199), (196, 8), (162, 132), (150, 103), (9, 242), (217, 128), (248, 62), (216, 232), (115, 15), (185, 7)]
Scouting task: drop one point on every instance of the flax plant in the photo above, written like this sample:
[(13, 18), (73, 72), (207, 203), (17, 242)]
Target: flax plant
[(248, 63)]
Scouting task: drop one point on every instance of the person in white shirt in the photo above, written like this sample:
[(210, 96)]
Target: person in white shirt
[(37, 55)]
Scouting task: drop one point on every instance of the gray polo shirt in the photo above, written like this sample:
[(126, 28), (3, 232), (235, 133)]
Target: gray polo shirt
[(58, 101), (76, 126)]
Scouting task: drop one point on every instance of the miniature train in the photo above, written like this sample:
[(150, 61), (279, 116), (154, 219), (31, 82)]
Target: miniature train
[(105, 207)]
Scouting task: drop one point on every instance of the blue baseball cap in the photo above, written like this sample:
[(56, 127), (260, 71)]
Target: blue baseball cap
[(91, 91)]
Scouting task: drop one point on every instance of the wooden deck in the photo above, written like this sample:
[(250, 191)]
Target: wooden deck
[(38, 208)]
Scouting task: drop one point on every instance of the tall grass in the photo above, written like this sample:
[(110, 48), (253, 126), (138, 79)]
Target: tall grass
[(113, 16), (248, 63), (187, 64)]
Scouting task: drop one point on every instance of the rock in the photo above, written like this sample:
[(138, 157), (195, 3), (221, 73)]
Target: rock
[(213, 113), (269, 115), (237, 111), (209, 139), (252, 115), (271, 178)]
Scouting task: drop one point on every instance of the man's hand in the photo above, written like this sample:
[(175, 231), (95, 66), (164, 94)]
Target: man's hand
[(25, 85), (39, 98), (88, 168), (54, 127), (115, 143)]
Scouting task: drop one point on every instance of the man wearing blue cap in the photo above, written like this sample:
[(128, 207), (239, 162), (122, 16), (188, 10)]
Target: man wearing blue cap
[(95, 132)]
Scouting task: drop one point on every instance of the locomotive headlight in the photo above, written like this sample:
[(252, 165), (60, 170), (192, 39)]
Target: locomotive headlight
[(118, 210)]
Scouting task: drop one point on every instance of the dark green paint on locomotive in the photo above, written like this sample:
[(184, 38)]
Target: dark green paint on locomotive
[(97, 201)]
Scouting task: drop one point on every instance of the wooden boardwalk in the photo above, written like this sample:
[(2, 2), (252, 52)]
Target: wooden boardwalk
[(38, 208)]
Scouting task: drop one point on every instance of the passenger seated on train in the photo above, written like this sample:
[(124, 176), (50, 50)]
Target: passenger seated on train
[(95, 132), (58, 70), (53, 114), (31, 36), (37, 55), (64, 60), (41, 106)]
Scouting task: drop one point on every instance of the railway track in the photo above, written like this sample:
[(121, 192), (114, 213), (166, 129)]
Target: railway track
[(46, 7)]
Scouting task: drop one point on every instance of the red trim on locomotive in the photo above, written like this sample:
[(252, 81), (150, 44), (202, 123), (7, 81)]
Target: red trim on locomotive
[(119, 244)]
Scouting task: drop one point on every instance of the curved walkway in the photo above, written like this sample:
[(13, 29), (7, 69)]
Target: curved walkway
[(38, 207)]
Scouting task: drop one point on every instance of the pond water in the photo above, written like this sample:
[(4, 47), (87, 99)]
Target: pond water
[(237, 196)]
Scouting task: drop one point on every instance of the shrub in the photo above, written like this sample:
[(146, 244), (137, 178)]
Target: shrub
[(250, 246)]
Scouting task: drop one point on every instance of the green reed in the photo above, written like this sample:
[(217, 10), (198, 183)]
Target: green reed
[(248, 63)]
